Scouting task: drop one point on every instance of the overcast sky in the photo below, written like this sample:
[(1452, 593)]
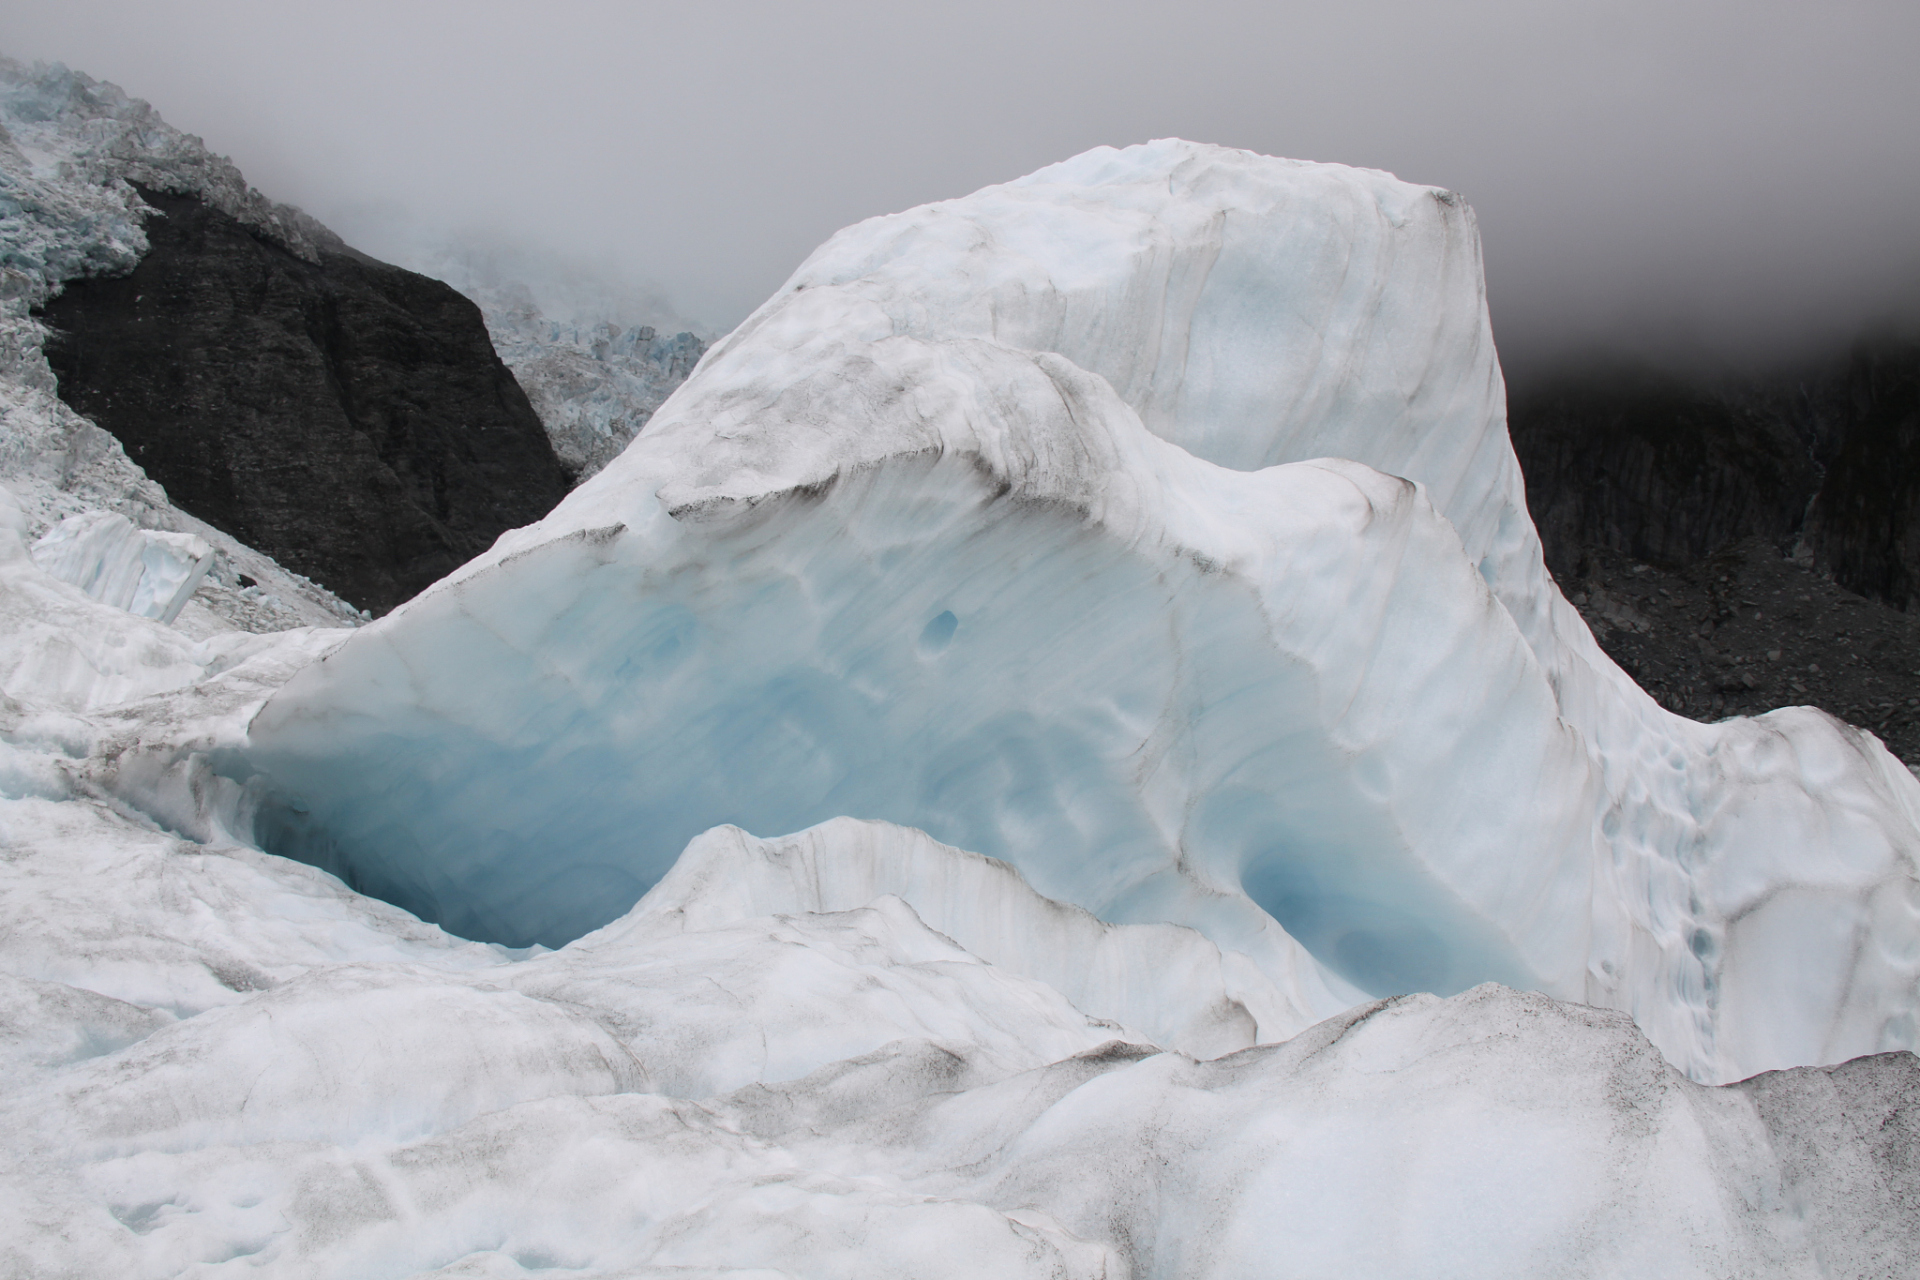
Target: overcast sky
[(1660, 174)]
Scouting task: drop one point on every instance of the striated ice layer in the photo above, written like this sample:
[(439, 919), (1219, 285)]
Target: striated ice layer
[(1148, 523), (1166, 984)]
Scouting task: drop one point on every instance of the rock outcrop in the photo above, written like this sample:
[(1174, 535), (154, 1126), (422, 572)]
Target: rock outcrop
[(1823, 460), (1746, 545), (347, 417)]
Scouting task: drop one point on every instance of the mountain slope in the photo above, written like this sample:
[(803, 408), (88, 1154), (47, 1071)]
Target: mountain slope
[(348, 417)]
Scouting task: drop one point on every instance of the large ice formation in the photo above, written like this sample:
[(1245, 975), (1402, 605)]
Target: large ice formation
[(1148, 523)]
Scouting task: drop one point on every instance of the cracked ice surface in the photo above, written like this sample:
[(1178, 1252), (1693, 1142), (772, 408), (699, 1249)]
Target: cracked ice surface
[(1148, 523)]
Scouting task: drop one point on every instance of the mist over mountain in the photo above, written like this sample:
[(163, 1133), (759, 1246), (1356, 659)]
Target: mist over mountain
[(1723, 179)]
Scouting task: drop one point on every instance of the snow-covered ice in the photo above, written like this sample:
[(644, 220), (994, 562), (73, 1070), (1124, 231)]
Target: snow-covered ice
[(844, 1094), (775, 1065)]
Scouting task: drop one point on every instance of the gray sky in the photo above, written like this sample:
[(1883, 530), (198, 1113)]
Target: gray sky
[(1658, 174)]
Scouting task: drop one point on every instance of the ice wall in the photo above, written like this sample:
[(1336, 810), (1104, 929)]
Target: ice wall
[(111, 559), (1022, 519)]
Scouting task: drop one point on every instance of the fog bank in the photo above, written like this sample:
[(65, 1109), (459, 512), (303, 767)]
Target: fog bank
[(1721, 179)]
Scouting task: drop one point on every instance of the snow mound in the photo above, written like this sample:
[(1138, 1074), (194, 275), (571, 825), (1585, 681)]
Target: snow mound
[(1149, 524), (1167, 984), (63, 650)]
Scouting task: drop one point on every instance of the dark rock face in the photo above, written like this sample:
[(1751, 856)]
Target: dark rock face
[(1740, 548), (1744, 631), (1645, 464), (351, 419), (1670, 472), (1864, 523)]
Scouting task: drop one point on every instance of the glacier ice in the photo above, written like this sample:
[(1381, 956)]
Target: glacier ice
[(107, 556), (240, 1062), (852, 1051), (1021, 518), (1148, 523), (1166, 983), (593, 373)]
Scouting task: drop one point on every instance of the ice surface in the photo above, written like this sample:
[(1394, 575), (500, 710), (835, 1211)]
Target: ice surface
[(1167, 983), (1009, 519), (139, 570), (845, 1093), (784, 1061), (594, 385)]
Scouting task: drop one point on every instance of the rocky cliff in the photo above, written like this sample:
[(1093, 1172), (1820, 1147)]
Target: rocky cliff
[(1743, 545), (347, 417), (1822, 460)]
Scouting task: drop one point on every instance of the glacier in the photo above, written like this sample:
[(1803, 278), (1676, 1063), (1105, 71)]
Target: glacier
[(981, 748), (113, 560), (1148, 523), (223, 1061)]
